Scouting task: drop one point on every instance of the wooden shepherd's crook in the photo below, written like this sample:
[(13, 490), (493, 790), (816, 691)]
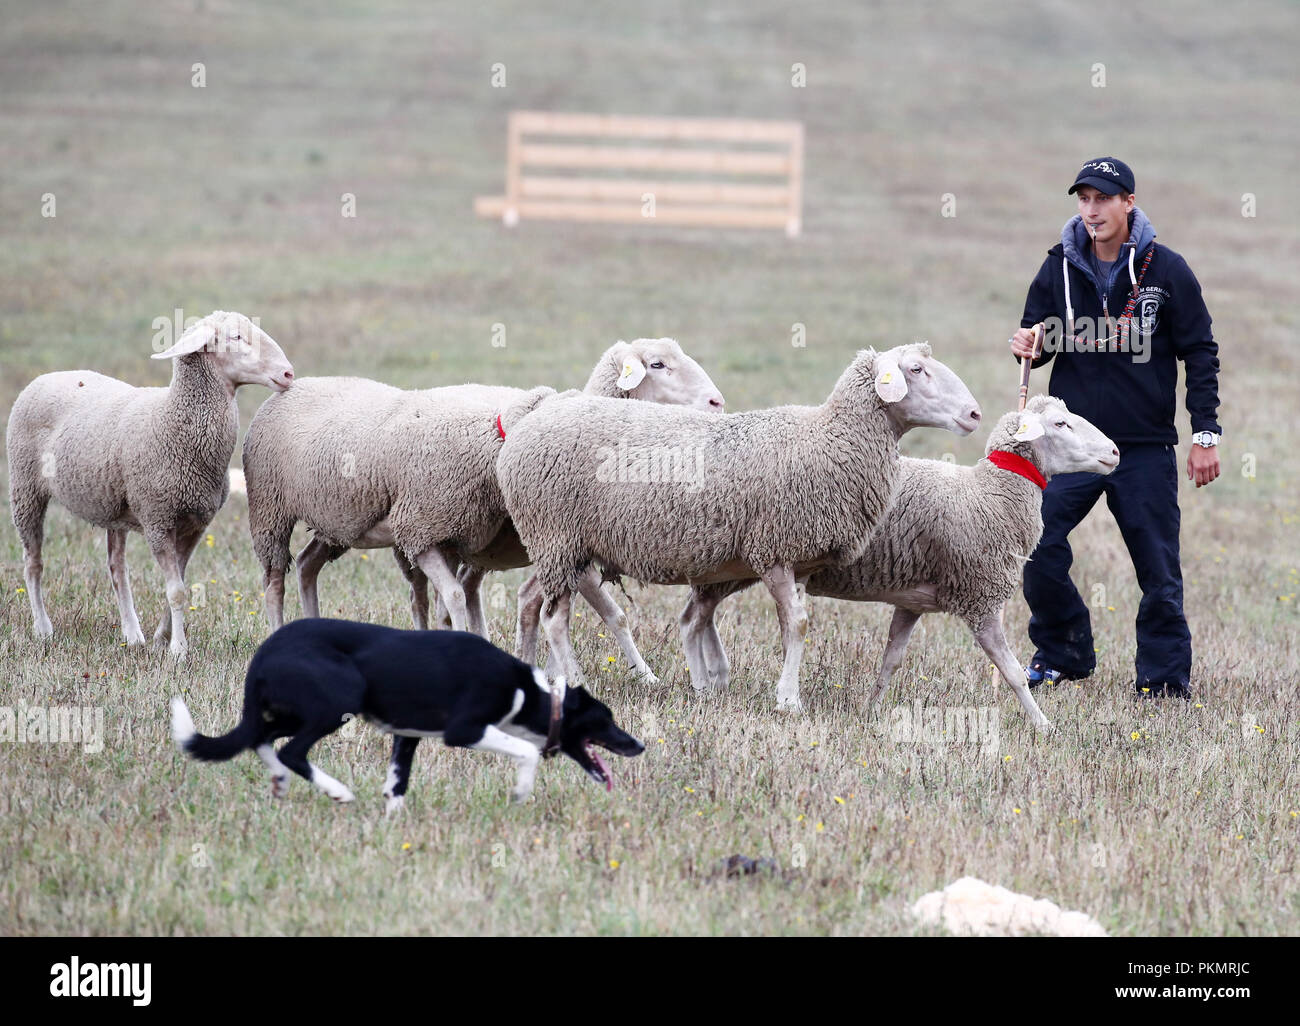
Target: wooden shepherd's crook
[(1027, 364)]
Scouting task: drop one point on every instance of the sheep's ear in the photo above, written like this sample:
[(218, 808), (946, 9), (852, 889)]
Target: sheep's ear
[(202, 334), (1031, 427), (633, 373), (891, 386)]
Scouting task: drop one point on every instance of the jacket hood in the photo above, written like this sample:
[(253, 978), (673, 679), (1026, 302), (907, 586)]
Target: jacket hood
[(1075, 239)]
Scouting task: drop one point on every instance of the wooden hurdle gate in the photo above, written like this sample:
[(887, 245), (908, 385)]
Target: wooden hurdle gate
[(600, 172)]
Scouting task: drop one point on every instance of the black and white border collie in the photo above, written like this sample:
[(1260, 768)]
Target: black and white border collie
[(309, 677)]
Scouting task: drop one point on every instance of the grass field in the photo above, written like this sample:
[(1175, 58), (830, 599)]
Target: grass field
[(1155, 820)]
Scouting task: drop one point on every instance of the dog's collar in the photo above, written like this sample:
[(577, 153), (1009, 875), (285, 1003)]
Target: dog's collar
[(1017, 465), (557, 713)]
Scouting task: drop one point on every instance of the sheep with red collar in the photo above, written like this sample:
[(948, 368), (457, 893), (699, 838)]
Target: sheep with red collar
[(954, 540), (766, 494), (367, 465)]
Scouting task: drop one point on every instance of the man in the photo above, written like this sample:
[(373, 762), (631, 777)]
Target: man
[(1118, 311)]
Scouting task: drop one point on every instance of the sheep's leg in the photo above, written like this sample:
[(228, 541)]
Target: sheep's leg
[(993, 640), (780, 581), (273, 587), (441, 617), (695, 625), (530, 616), (419, 590), (555, 618), (271, 544), (716, 663), (117, 573), (900, 632), (165, 546), (590, 587), (688, 627), (187, 544), (315, 554), (471, 577), (29, 518), (439, 569), (710, 653)]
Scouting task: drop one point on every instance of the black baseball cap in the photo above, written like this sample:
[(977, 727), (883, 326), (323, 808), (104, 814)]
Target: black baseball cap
[(1105, 174)]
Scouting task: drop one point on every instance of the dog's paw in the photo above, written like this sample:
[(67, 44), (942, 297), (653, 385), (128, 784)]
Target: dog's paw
[(343, 795), (395, 804), (519, 795), (280, 785)]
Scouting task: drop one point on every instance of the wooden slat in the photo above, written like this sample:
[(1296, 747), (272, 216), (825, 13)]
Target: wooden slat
[(514, 141), (630, 213), (726, 130), (702, 201), (794, 224), (646, 159), (663, 192)]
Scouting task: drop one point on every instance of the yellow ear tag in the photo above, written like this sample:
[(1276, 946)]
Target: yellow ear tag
[(887, 377), (1029, 430), (633, 374)]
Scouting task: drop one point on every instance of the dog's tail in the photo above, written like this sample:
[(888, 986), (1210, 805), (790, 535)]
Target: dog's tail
[(211, 749)]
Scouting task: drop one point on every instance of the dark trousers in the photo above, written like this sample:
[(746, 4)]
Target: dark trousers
[(1142, 495)]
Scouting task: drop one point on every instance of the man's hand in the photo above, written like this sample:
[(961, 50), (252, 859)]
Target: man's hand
[(1022, 342), (1202, 464)]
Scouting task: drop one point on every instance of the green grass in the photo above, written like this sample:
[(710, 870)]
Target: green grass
[(228, 197)]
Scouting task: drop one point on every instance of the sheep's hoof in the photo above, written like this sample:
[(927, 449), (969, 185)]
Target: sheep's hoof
[(1046, 727), (648, 676), (789, 705)]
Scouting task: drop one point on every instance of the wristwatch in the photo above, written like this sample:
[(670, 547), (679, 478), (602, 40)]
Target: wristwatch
[(1206, 439)]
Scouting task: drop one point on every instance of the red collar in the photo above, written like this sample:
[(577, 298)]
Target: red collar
[(1017, 465), (500, 430)]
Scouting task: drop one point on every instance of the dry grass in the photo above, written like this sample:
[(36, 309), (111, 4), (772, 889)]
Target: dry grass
[(1155, 820)]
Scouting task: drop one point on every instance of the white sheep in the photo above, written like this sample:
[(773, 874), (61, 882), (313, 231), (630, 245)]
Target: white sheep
[(970, 906), (673, 496), (124, 458), (953, 540), (366, 465)]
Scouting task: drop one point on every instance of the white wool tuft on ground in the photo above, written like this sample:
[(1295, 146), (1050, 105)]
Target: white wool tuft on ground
[(970, 906)]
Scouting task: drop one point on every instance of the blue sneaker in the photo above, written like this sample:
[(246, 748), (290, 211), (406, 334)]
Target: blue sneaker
[(1040, 674)]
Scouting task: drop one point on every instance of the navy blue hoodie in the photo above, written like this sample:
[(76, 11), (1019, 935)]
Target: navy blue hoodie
[(1131, 396)]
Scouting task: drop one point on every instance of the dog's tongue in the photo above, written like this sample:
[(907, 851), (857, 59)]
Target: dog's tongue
[(609, 777)]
